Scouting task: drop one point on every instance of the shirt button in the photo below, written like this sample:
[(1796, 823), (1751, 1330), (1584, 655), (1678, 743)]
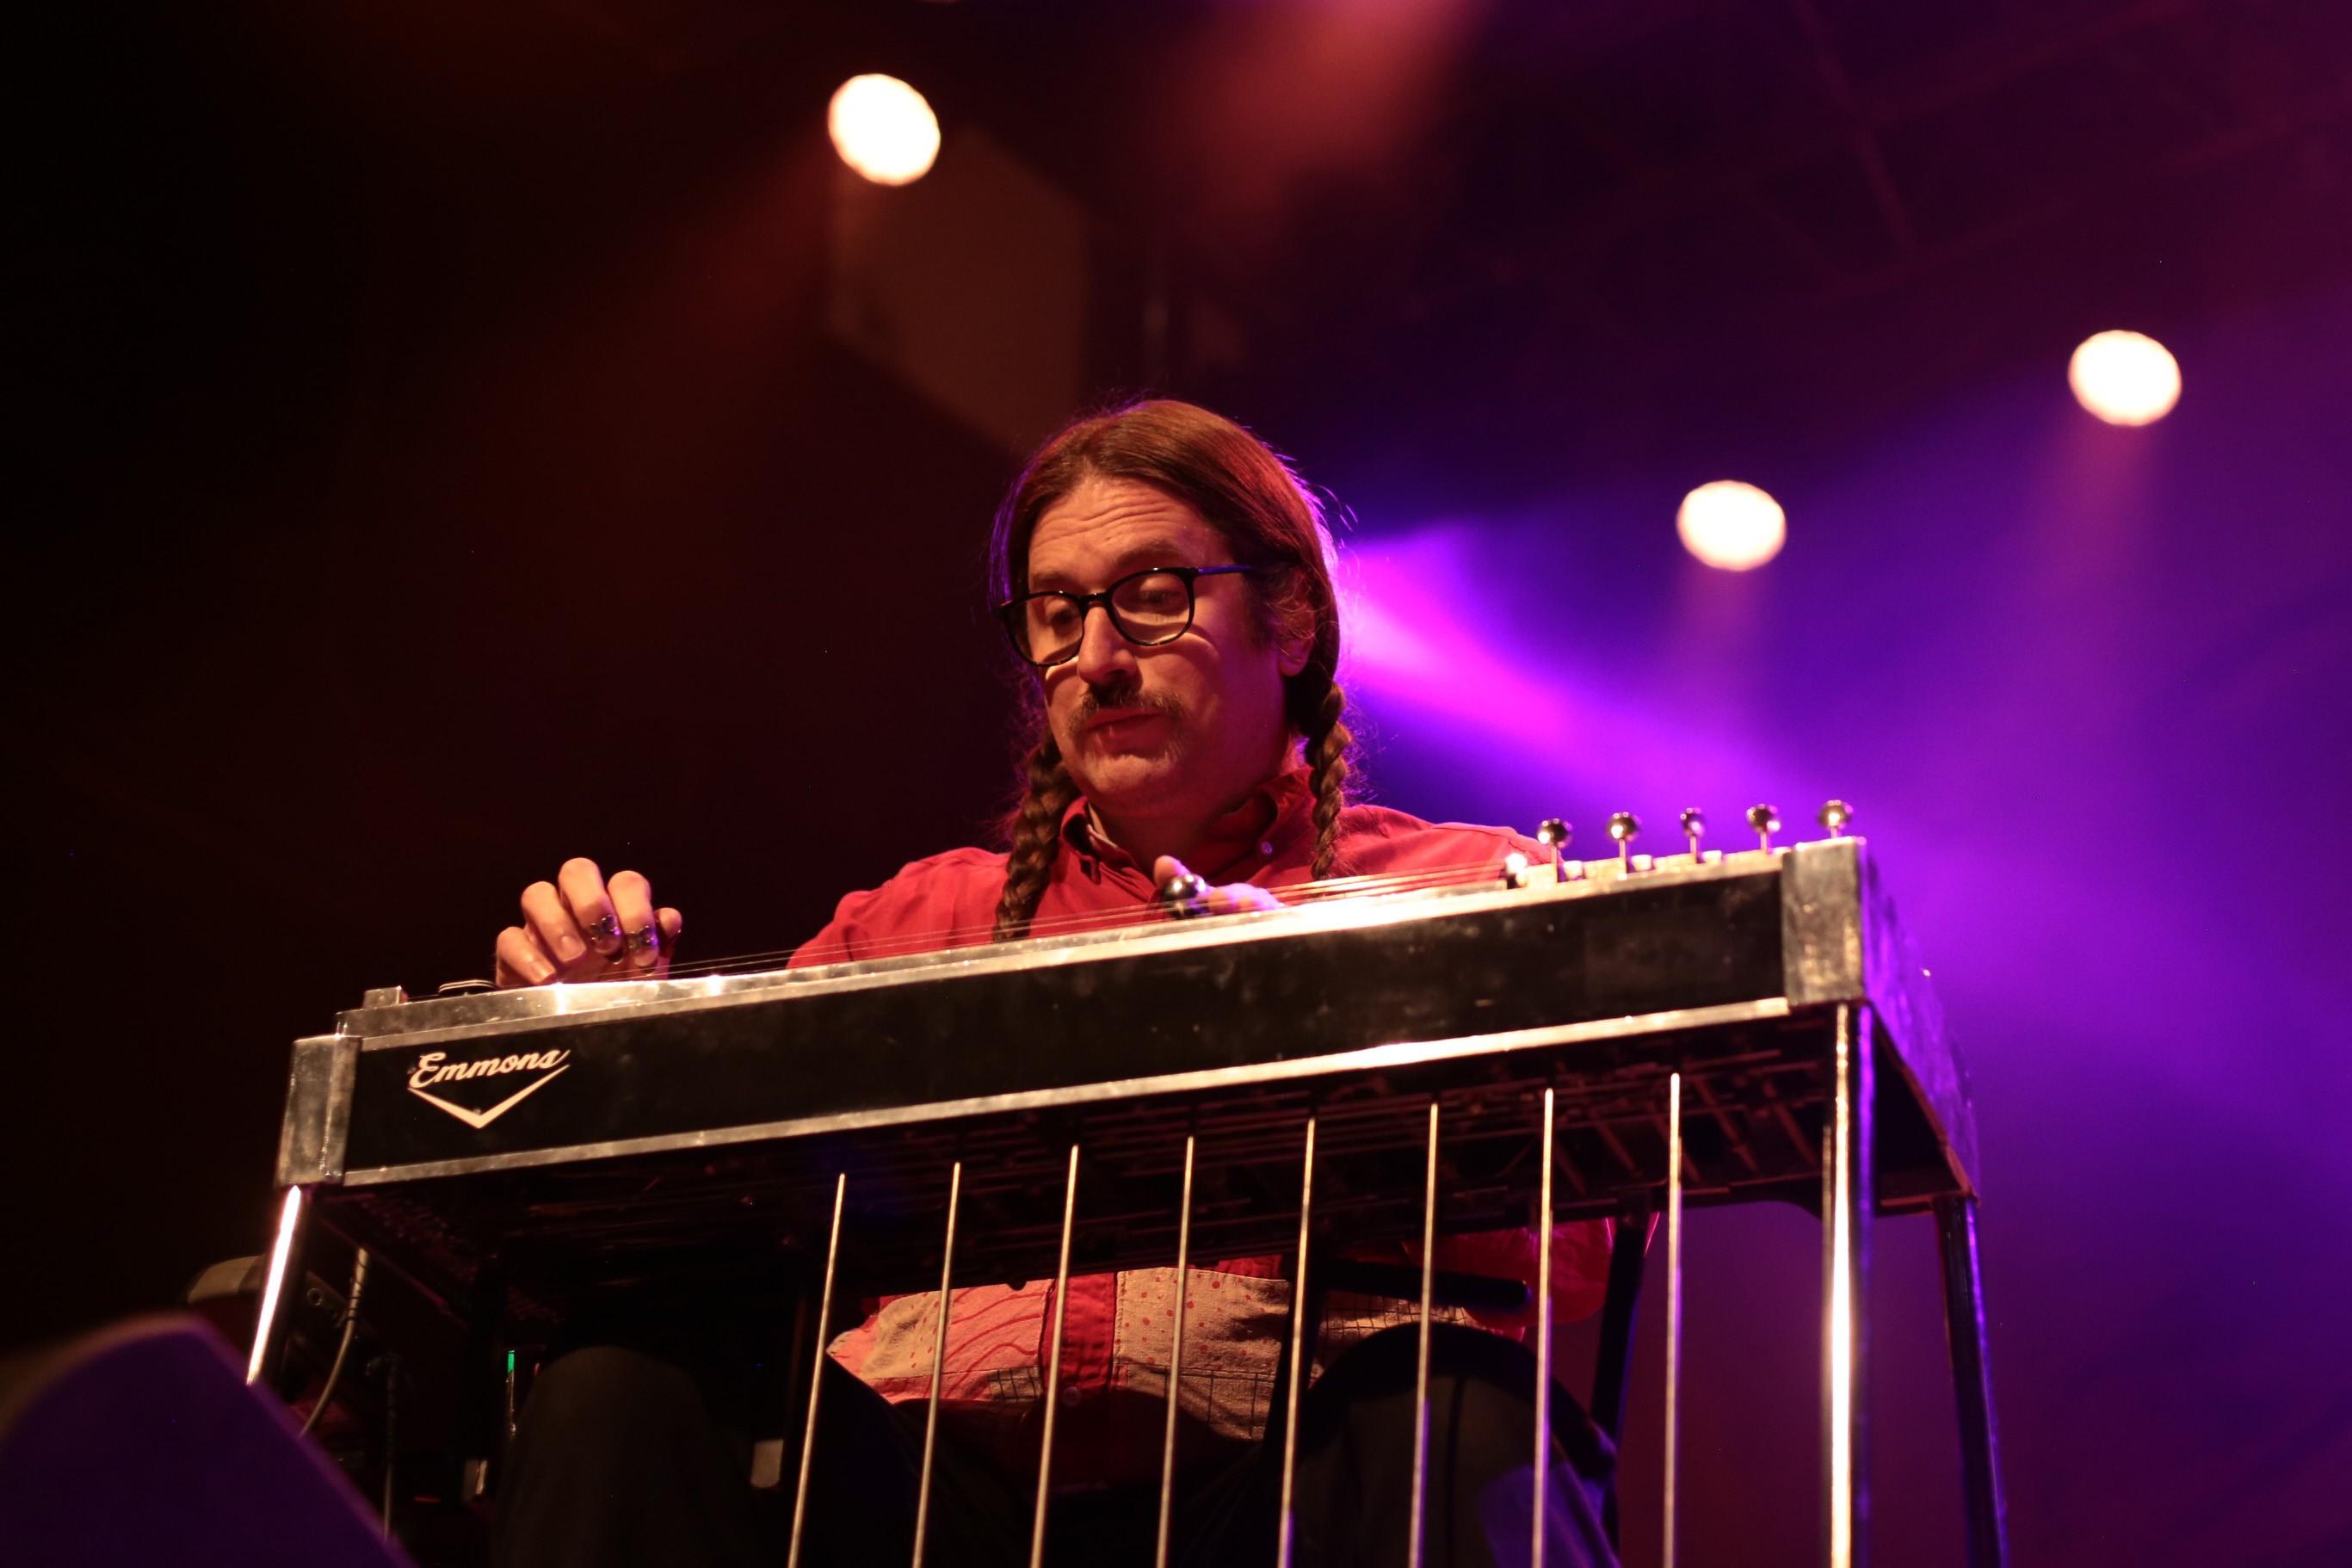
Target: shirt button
[(1266, 848)]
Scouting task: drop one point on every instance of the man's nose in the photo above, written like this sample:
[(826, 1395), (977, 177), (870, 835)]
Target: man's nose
[(1104, 655)]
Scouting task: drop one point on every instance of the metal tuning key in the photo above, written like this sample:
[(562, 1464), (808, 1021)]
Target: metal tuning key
[(1766, 821), (1837, 817), (1624, 827), (1515, 870), (1557, 833), (1693, 823)]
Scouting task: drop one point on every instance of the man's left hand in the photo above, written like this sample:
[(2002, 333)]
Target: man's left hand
[(1232, 898)]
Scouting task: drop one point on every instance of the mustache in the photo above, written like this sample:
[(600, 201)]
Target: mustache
[(1129, 695)]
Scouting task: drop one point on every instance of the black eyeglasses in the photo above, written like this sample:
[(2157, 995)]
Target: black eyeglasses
[(1147, 607)]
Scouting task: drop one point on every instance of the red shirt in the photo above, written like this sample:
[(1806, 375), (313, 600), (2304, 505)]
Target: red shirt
[(1117, 1328)]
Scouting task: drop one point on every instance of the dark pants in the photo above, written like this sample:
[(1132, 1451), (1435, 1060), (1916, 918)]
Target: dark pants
[(621, 1460)]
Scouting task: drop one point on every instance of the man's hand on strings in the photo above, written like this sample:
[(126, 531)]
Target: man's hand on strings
[(1232, 898), (583, 927)]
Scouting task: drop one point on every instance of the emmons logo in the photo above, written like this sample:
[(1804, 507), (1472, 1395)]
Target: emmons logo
[(435, 1067)]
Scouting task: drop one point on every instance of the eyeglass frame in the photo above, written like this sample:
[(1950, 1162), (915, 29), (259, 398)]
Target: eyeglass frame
[(1011, 614)]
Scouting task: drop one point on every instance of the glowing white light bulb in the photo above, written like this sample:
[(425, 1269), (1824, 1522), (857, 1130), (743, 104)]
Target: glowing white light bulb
[(883, 129), (1731, 525), (2125, 378)]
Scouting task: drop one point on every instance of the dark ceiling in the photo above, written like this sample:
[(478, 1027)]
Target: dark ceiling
[(1595, 215), (1460, 229), (1499, 226)]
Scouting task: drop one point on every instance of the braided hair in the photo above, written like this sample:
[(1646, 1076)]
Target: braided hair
[(1037, 825), (1248, 493), (1328, 745)]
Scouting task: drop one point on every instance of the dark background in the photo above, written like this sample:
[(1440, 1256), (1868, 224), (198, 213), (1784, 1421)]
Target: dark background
[(454, 441)]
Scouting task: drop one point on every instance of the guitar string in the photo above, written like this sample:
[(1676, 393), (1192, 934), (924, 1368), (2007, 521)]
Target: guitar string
[(953, 937), (956, 936), (1112, 919)]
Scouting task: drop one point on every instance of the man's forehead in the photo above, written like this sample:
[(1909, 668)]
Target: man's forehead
[(1104, 524)]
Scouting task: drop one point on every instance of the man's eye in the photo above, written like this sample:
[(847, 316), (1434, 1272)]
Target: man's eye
[(1054, 615)]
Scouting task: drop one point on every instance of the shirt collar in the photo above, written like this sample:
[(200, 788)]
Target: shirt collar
[(1275, 818)]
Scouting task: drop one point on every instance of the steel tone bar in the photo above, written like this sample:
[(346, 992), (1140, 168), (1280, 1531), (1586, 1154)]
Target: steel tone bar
[(816, 1373), (1175, 1358), (1964, 1324), (269, 1327), (1054, 1367), (1413, 1545), (1298, 1353), (939, 1365), (1674, 1315), (1543, 1338), (1846, 1195)]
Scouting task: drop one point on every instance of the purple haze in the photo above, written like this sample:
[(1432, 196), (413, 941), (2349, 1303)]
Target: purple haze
[(2087, 688)]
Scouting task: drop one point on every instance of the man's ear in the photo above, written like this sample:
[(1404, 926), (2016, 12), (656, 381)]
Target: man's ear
[(1296, 646), (1294, 611)]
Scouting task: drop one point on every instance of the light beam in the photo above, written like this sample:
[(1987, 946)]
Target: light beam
[(2125, 378), (1732, 526), (883, 129)]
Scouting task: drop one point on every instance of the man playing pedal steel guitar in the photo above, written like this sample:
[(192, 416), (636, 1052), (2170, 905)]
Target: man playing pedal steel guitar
[(1167, 577)]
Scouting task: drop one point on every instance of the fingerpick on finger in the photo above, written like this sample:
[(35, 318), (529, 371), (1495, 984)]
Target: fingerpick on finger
[(585, 896), (633, 906)]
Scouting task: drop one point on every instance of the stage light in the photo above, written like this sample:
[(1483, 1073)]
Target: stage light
[(884, 129), (1731, 525), (2125, 378)]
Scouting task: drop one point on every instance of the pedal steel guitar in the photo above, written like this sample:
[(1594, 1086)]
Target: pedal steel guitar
[(1614, 1037)]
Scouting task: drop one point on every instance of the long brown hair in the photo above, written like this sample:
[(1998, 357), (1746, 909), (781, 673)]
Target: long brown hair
[(1249, 494)]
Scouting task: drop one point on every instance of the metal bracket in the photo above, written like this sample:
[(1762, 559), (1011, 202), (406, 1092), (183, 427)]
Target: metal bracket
[(317, 1129)]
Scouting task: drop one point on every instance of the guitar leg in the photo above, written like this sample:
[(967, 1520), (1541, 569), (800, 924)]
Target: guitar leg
[(279, 1285), (1964, 1325), (1846, 1203)]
